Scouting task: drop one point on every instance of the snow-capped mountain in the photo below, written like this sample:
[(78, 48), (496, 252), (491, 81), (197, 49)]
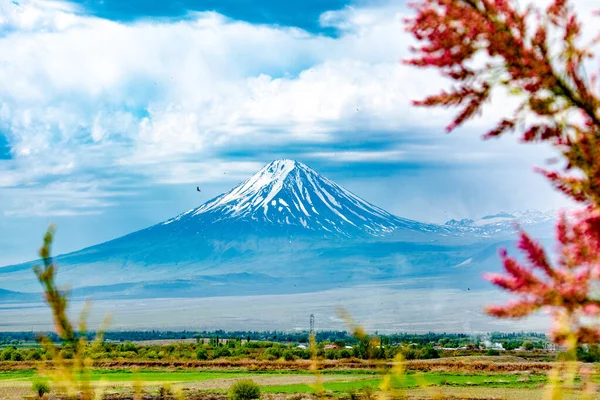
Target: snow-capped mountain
[(290, 195), (285, 229), (503, 222)]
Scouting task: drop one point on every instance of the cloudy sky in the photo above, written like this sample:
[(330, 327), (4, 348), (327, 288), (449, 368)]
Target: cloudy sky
[(112, 112)]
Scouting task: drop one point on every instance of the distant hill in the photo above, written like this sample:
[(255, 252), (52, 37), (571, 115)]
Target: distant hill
[(286, 229), (8, 296)]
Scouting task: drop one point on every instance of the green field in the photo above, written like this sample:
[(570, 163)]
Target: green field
[(15, 384), (431, 379), (341, 381)]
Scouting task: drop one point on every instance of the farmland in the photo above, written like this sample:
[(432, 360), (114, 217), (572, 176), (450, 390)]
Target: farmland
[(208, 363), (338, 383)]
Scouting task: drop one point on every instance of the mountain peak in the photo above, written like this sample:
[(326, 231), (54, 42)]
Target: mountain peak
[(261, 190), (278, 170), (288, 193), (283, 162)]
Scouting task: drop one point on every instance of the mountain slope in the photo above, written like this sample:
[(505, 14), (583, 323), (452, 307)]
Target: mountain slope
[(8, 296), (506, 223), (285, 229)]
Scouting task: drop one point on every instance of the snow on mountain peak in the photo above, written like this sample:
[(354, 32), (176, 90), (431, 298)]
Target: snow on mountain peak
[(258, 191), (289, 193)]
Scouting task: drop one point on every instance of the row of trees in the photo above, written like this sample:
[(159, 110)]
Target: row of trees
[(340, 338), (234, 350), (411, 346)]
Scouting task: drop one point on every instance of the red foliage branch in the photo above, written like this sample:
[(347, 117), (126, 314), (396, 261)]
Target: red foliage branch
[(486, 44), (566, 288), (552, 84)]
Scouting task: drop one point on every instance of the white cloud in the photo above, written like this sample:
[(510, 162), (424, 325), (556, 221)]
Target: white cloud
[(36, 15), (165, 90), (163, 99), (202, 172), (385, 156), (84, 198)]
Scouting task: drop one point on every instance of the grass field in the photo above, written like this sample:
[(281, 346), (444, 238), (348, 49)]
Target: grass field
[(351, 380), (16, 384)]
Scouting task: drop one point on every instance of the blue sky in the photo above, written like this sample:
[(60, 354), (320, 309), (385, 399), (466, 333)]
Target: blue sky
[(112, 112), (302, 14)]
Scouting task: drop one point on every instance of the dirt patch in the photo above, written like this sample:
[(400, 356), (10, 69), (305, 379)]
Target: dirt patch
[(214, 396), (270, 381)]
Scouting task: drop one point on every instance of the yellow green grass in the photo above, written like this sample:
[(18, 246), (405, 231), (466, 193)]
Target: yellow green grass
[(338, 382)]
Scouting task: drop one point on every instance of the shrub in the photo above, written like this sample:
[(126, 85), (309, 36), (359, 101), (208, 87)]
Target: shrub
[(331, 354), (240, 351), (344, 353), (244, 390), (35, 355), (271, 354), (492, 352), (288, 355), (184, 354), (594, 353), (201, 354), (66, 353), (221, 352), (268, 357), (7, 353), (128, 354), (128, 346), (589, 354), (428, 353), (409, 354), (98, 356), (16, 356), (527, 345), (303, 354), (40, 388), (275, 352)]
